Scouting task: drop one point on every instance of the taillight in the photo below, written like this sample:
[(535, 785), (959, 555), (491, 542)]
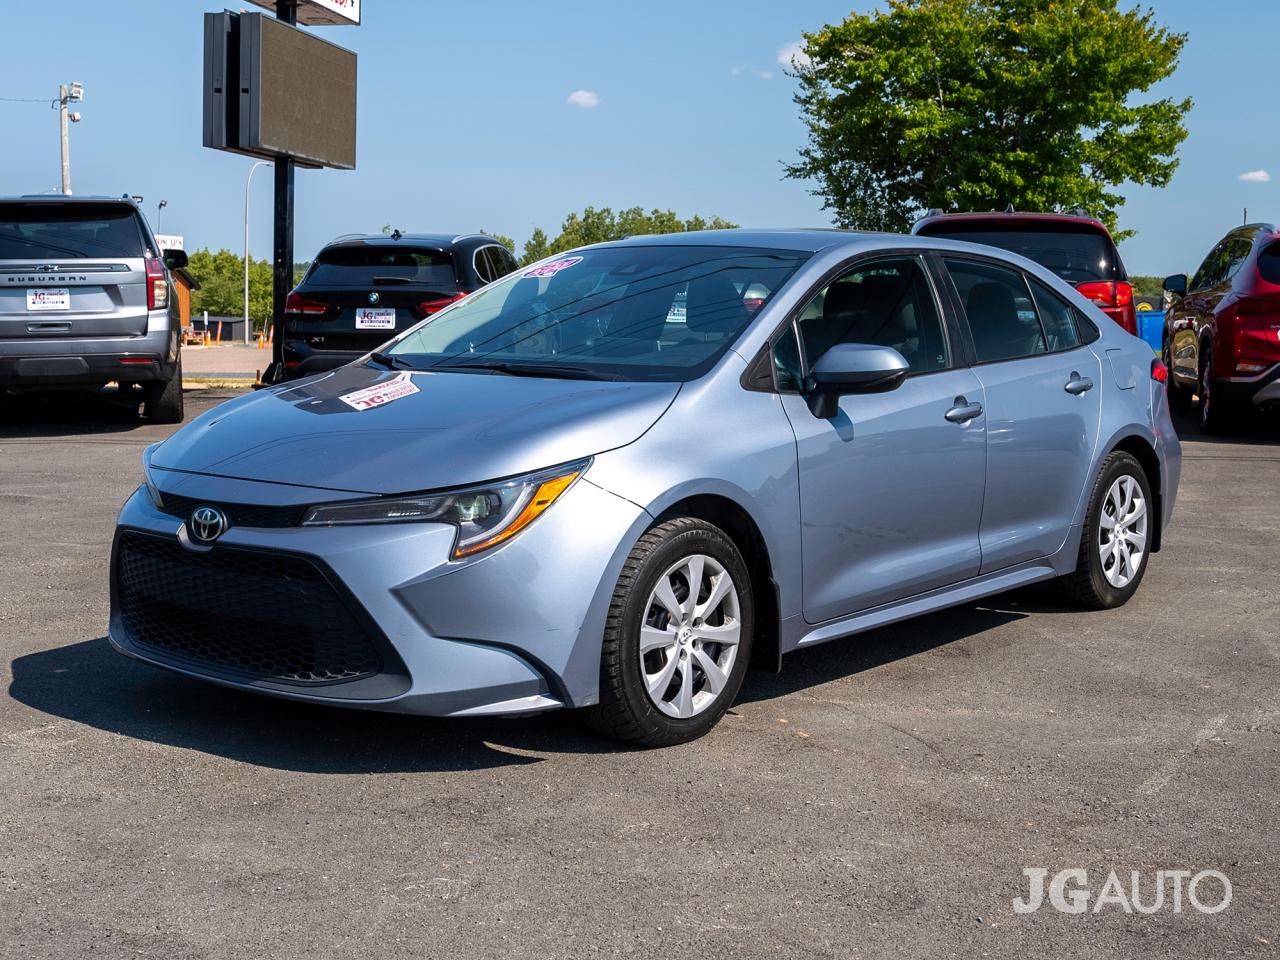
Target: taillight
[(1159, 372), (1106, 293), (428, 307), (296, 303), (753, 303), (157, 285)]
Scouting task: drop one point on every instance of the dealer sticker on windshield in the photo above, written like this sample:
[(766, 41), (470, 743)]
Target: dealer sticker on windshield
[(552, 268), (380, 394)]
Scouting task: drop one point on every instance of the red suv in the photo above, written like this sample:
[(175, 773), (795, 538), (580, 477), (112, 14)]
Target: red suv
[(1077, 248), (1222, 330)]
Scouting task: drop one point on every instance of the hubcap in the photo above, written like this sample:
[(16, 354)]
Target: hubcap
[(1122, 532), (689, 638)]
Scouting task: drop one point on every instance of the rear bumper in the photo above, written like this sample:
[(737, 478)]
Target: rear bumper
[(49, 363), (302, 360), (1260, 391)]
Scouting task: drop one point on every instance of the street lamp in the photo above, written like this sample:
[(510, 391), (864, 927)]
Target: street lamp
[(247, 180), (160, 214)]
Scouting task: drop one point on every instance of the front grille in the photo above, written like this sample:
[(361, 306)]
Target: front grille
[(262, 615), (238, 514)]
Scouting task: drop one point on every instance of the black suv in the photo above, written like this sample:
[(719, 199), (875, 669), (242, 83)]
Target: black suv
[(363, 290), (84, 301)]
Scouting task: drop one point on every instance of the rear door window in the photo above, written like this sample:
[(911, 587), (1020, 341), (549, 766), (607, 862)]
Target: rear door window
[(1075, 256), (1002, 316), (1058, 318), (374, 266), (63, 231)]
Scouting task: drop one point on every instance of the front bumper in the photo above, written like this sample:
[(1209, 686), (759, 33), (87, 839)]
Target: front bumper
[(513, 631)]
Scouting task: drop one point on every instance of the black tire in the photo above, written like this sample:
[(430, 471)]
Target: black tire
[(164, 398), (625, 711), (1180, 398), (1088, 585), (1215, 418)]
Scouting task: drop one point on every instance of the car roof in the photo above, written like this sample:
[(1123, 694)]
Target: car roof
[(433, 241), (1016, 220), (806, 239), (66, 198)]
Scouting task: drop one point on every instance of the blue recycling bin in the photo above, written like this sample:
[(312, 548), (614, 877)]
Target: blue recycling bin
[(1151, 327)]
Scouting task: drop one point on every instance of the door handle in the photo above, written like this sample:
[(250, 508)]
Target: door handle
[(1078, 384), (963, 411)]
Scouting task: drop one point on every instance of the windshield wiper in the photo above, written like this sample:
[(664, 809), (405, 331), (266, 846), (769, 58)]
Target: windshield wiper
[(531, 370), (393, 280), (387, 360)]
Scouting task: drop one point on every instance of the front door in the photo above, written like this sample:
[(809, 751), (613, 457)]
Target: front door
[(1043, 391), (891, 487)]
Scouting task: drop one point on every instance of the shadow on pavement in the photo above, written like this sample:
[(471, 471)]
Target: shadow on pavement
[(1255, 427), (90, 683), (69, 414)]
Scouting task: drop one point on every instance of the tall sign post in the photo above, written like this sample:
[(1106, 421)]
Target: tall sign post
[(277, 93)]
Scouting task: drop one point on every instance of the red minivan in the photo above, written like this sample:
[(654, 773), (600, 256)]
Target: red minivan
[(1222, 330), (1077, 248)]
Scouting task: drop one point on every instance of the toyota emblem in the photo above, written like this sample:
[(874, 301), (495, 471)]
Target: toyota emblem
[(373, 297), (207, 524)]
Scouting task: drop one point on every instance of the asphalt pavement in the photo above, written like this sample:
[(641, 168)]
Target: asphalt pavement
[(879, 798)]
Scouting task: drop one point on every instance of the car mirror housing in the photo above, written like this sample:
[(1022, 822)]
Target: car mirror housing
[(849, 368), (1176, 284), (175, 259)]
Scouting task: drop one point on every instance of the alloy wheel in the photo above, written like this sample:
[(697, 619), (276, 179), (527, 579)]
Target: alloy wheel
[(1122, 532), (690, 635)]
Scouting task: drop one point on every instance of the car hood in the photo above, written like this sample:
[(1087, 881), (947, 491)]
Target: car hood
[(438, 429)]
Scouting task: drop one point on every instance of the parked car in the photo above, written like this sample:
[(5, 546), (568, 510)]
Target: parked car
[(360, 291), (555, 495), (1222, 329), (84, 301), (1079, 249)]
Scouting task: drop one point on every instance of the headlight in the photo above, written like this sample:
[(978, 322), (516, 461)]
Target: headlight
[(485, 515), (146, 474)]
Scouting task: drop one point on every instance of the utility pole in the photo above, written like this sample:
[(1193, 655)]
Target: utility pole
[(67, 93), (247, 180), (282, 241)]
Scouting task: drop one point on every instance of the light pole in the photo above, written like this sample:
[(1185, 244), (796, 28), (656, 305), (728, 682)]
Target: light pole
[(160, 214), (67, 93), (247, 180)]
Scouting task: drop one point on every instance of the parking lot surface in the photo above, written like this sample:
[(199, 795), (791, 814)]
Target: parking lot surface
[(879, 798)]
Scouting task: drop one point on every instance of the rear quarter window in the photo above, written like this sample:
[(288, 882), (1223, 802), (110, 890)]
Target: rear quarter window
[(61, 231), (1269, 263)]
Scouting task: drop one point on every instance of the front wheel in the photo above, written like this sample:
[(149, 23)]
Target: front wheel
[(1213, 414), (678, 637), (1179, 396), (1117, 536)]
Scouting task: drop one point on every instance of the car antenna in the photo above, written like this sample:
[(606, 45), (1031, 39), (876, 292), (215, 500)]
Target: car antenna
[(1009, 208), (396, 234)]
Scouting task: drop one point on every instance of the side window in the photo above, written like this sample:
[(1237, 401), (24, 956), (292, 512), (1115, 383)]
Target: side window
[(1056, 316), (786, 361), (1208, 274), (503, 262), (1002, 316), (888, 303), (1238, 251)]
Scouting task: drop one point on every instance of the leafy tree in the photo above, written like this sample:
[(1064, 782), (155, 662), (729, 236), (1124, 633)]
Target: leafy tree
[(975, 104), (502, 238), (221, 292), (598, 226)]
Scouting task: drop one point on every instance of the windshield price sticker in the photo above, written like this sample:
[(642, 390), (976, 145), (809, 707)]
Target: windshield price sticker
[(379, 395), (552, 268)]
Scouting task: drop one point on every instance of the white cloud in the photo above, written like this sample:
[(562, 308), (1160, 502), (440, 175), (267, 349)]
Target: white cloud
[(766, 74), (736, 71), (586, 99), (793, 55), (1254, 176)]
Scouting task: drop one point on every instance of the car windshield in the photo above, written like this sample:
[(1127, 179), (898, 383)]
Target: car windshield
[(58, 231), (630, 313), (368, 266), (1074, 256)]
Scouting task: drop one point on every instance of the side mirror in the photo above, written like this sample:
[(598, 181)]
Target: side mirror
[(175, 259), (852, 368), (1176, 284)]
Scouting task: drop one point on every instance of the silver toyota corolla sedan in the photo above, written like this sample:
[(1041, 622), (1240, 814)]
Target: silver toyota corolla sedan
[(613, 479)]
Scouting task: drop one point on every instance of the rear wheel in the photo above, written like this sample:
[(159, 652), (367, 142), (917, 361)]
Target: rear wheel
[(678, 637), (1117, 536), (164, 398)]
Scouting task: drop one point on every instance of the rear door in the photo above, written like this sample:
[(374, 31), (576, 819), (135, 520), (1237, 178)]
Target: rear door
[(71, 271), (1043, 390)]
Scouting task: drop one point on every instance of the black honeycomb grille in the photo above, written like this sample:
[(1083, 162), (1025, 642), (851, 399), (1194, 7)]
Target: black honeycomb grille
[(238, 514), (262, 615)]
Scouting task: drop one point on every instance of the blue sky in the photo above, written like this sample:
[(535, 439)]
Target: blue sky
[(465, 119)]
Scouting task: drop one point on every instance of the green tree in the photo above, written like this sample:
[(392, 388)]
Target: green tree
[(221, 277), (600, 225), (975, 104), (502, 239)]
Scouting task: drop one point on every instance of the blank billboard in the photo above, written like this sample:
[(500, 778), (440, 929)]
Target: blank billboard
[(297, 95)]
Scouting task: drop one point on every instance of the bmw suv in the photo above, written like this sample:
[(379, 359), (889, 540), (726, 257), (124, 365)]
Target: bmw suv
[(362, 290), (84, 301)]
